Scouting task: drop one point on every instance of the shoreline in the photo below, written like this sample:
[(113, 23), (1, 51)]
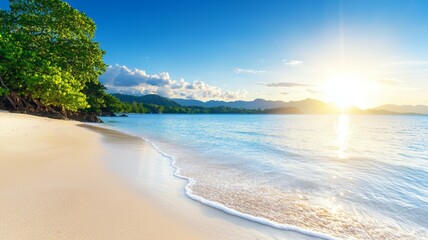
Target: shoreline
[(94, 192), (189, 193), (48, 190), (168, 149), (266, 229)]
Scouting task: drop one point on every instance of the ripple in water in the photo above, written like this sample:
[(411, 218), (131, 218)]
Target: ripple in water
[(351, 177)]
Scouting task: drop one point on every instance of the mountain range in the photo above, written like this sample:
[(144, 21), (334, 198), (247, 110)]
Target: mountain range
[(306, 106), (311, 106), (420, 109), (147, 99)]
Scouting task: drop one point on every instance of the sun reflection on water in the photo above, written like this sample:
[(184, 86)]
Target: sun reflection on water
[(342, 135)]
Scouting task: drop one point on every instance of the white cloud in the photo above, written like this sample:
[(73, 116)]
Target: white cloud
[(284, 84), (249, 71), (121, 79), (292, 62)]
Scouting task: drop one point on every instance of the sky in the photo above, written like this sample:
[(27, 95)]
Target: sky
[(363, 53)]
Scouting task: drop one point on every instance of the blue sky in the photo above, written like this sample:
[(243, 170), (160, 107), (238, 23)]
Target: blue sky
[(279, 50)]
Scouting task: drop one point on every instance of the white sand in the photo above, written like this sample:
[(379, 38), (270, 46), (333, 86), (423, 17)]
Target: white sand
[(53, 185)]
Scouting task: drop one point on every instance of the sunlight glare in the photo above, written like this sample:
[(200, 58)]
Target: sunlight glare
[(342, 135), (347, 90)]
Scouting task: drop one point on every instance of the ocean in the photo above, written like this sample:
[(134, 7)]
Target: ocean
[(329, 176)]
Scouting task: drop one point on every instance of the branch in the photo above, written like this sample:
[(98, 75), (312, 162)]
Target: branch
[(2, 83)]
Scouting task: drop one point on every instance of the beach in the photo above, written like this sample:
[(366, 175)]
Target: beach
[(69, 180), (53, 185)]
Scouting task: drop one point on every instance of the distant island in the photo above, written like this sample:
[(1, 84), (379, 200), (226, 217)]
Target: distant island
[(306, 106), (152, 103)]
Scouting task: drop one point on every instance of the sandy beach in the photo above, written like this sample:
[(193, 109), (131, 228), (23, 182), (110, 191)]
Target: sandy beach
[(68, 180), (53, 185)]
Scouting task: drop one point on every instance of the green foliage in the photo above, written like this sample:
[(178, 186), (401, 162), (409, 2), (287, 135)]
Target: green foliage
[(147, 99), (113, 104), (138, 108), (95, 93), (164, 105), (47, 52), (129, 105), (3, 91)]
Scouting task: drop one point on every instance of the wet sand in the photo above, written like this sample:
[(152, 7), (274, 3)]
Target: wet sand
[(68, 180), (54, 185)]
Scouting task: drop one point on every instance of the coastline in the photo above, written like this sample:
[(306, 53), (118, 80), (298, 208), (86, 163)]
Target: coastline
[(152, 172), (261, 224), (155, 131), (48, 190)]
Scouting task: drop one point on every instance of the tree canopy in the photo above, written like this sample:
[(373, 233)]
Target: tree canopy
[(48, 52)]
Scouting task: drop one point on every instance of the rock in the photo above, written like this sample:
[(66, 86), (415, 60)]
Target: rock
[(123, 115), (15, 103), (107, 114)]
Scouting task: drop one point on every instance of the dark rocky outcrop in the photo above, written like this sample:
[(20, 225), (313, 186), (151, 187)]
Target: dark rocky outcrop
[(28, 105), (107, 114)]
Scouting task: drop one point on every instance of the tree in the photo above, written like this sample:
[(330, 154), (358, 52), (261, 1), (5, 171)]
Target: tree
[(47, 52), (113, 104)]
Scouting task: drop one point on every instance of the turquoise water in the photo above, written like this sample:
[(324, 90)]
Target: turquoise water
[(350, 177)]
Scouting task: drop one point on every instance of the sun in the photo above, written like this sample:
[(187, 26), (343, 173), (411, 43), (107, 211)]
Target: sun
[(346, 90)]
